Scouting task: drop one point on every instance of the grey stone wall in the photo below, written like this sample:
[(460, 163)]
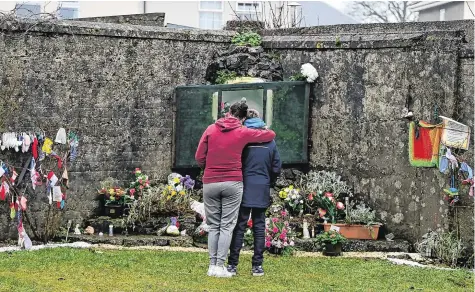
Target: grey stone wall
[(147, 19), (367, 72), (111, 83), (114, 85)]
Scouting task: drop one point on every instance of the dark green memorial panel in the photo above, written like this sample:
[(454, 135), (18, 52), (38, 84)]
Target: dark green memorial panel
[(283, 105)]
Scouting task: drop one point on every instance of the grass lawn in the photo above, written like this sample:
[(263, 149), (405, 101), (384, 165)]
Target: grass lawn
[(131, 270)]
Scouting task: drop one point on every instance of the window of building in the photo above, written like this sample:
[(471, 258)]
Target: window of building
[(248, 10), (442, 14), (211, 5), (211, 14), (68, 9), (28, 10)]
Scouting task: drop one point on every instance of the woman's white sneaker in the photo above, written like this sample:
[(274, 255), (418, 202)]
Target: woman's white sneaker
[(212, 270), (222, 272)]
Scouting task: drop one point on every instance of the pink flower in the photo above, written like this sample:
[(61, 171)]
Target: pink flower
[(321, 212), (274, 220), (282, 236), (268, 244), (268, 238), (283, 213), (140, 180), (329, 195), (310, 197), (141, 187), (132, 192), (340, 206), (275, 229)]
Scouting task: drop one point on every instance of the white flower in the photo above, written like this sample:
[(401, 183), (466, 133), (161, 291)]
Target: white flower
[(179, 188), (301, 201), (248, 231), (293, 196), (309, 71), (291, 243)]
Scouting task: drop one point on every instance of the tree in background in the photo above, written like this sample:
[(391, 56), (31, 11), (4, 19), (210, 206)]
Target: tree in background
[(271, 14), (381, 11)]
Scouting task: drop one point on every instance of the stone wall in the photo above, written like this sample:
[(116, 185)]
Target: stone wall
[(114, 85), (367, 73), (111, 83)]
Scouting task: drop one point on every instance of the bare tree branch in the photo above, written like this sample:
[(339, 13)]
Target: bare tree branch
[(382, 11)]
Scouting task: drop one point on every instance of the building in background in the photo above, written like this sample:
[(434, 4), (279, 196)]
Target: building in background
[(195, 14), (443, 10)]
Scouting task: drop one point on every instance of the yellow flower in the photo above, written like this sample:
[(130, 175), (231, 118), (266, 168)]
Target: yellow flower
[(173, 193), (111, 191), (282, 194), (182, 193), (176, 180), (168, 198), (169, 188), (291, 187)]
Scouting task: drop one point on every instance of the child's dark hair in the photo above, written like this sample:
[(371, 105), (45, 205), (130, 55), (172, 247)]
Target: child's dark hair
[(239, 110)]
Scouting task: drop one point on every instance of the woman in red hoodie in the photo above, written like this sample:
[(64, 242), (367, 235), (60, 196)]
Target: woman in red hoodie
[(219, 153)]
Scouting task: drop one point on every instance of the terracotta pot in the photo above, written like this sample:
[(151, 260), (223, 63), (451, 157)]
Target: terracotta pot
[(332, 250), (355, 231)]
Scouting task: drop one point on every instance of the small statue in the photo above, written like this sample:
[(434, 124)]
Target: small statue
[(89, 230), (76, 230), (306, 234)]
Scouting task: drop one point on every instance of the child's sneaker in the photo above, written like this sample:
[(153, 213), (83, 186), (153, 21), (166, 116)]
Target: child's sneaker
[(232, 269), (222, 272), (257, 271), (212, 270)]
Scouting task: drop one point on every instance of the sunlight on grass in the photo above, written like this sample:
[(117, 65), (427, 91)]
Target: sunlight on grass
[(85, 270)]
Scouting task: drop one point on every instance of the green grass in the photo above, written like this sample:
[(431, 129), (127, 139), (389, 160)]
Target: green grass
[(83, 270)]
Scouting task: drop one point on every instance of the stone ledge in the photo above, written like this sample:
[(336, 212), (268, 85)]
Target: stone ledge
[(69, 27), (443, 40), (354, 245), (129, 241)]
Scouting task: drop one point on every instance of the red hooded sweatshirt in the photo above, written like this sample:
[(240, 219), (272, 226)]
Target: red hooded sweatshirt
[(220, 149)]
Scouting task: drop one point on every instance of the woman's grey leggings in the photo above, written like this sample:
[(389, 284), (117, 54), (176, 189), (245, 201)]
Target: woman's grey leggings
[(222, 201)]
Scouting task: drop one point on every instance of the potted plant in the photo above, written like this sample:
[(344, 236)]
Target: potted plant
[(331, 241), (279, 235), (360, 223)]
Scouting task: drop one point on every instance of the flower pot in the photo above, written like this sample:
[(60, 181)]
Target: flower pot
[(275, 250), (332, 250), (114, 211), (355, 231)]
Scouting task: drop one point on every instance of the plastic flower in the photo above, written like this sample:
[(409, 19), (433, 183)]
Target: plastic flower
[(282, 236), (173, 193), (321, 212), (340, 206), (310, 197), (268, 244), (182, 193), (132, 191), (275, 229), (283, 213), (329, 195), (274, 220), (309, 71), (282, 194), (138, 171), (249, 223), (111, 191)]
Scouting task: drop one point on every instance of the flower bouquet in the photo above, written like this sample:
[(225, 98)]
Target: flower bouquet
[(249, 235), (140, 184), (293, 200), (279, 236), (176, 196), (307, 73), (325, 204)]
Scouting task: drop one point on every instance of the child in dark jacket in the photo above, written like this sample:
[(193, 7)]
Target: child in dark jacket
[(261, 166)]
